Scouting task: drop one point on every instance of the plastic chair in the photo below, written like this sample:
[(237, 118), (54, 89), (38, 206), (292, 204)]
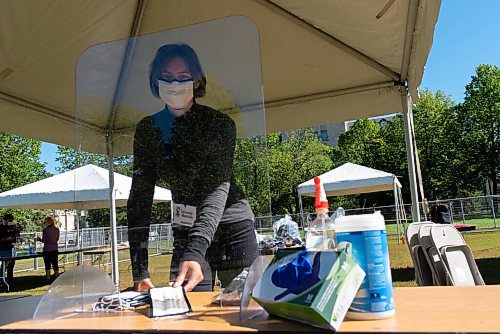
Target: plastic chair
[(456, 255), (423, 272), (432, 255)]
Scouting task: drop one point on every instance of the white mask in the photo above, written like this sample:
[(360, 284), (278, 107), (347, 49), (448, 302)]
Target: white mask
[(176, 95)]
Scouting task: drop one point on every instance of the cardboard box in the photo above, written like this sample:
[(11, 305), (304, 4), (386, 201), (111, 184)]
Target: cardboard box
[(314, 287)]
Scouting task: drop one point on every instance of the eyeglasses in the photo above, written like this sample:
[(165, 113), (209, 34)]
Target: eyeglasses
[(170, 79)]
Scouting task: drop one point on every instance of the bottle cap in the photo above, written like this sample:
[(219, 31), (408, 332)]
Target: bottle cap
[(321, 200)]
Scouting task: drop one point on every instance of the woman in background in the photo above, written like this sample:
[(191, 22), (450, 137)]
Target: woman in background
[(50, 238)]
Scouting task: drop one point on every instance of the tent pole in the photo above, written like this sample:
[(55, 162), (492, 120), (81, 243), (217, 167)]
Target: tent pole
[(170, 234), (301, 213), (78, 242), (65, 229), (396, 203), (410, 155), (65, 233), (112, 211), (402, 208)]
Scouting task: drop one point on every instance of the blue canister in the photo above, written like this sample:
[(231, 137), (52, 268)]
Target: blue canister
[(367, 235), (31, 250)]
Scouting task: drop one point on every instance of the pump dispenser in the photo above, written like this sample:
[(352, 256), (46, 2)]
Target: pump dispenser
[(321, 232)]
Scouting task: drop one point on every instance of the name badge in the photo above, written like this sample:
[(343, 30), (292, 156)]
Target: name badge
[(184, 215)]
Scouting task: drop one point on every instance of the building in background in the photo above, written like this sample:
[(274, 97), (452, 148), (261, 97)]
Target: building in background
[(330, 134)]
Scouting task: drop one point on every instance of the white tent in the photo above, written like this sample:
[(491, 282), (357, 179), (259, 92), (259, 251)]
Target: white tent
[(322, 61), (83, 188), (350, 179)]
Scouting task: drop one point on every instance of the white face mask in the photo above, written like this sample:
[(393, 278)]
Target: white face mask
[(176, 95)]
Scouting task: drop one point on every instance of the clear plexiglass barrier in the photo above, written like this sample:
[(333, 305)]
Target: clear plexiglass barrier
[(179, 116), (74, 292)]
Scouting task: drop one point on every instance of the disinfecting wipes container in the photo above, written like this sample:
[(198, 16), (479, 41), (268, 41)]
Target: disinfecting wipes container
[(367, 235)]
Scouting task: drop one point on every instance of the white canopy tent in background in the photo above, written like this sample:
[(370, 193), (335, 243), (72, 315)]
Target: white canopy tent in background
[(82, 188), (351, 179), (323, 62)]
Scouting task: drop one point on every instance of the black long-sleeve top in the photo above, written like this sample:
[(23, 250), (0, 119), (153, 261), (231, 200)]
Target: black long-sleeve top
[(7, 231), (193, 153)]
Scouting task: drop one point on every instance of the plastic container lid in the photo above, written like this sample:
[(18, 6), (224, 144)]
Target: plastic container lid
[(356, 223)]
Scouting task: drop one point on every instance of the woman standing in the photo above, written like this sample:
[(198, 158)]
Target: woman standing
[(50, 237), (191, 148)]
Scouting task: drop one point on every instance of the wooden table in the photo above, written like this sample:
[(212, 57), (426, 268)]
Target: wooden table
[(420, 309)]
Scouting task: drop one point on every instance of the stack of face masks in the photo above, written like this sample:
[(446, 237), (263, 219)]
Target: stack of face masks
[(120, 301), (168, 301), (164, 301)]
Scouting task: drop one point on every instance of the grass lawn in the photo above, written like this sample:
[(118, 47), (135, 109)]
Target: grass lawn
[(485, 247), (483, 223)]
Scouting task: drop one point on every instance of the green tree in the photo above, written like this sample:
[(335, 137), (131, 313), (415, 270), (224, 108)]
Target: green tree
[(392, 157), (292, 161), (360, 145), (479, 120), (438, 145), (251, 172), (363, 144), (20, 165), (70, 158), (393, 149)]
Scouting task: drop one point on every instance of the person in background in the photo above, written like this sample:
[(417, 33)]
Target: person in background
[(8, 237), (190, 147), (50, 238), (440, 213)]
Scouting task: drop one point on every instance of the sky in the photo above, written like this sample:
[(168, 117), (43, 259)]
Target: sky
[(467, 34)]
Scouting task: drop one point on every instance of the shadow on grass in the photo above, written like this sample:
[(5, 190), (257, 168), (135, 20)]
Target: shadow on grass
[(23, 283), (403, 274), (488, 267)]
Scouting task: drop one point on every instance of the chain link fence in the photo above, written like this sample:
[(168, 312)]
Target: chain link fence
[(482, 212), (160, 241)]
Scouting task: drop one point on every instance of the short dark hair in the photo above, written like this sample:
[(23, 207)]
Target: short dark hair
[(8, 217), (168, 52)]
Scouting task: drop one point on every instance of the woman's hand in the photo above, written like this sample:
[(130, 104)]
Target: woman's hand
[(143, 285), (189, 272)]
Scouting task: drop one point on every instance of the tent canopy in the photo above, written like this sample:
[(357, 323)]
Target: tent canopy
[(350, 179), (322, 61), (86, 187)]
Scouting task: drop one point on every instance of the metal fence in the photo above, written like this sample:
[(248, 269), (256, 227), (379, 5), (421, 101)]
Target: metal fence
[(481, 211), (160, 241)]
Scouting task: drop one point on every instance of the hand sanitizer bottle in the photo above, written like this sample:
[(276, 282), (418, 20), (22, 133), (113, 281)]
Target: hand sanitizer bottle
[(321, 232)]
